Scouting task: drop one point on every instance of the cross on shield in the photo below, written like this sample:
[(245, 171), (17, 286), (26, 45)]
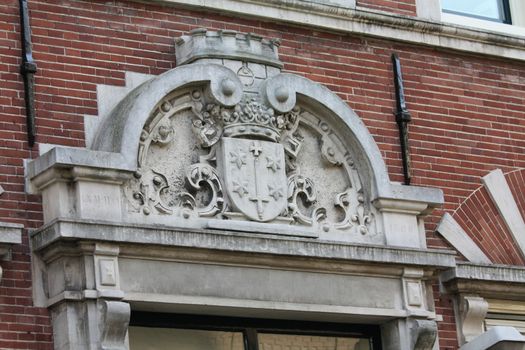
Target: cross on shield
[(254, 177)]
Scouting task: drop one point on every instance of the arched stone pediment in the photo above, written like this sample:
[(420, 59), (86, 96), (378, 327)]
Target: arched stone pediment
[(226, 186), (228, 141), (120, 133), (225, 141)]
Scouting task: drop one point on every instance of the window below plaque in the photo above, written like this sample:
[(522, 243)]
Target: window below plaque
[(492, 10), (149, 331), (504, 16)]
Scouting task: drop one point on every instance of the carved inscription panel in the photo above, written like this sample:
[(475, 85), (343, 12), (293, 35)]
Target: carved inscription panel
[(200, 161)]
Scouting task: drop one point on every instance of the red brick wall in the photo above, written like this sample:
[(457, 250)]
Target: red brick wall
[(516, 181), (401, 7), (479, 217), (21, 325), (467, 111)]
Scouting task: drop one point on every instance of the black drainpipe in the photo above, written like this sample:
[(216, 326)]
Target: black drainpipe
[(402, 118), (28, 70)]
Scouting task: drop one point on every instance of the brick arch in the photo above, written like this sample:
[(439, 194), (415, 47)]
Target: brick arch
[(481, 220)]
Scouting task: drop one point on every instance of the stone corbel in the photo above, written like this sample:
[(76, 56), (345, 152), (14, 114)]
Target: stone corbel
[(409, 334), (471, 311), (114, 323), (10, 234), (423, 334)]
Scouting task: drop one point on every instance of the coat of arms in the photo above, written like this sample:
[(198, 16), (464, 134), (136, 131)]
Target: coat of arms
[(248, 168), (254, 177)]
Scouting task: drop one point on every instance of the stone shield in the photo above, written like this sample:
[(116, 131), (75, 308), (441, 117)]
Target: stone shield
[(254, 177)]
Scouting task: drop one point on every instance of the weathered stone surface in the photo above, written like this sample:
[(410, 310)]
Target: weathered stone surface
[(234, 241), (501, 195), (489, 273), (329, 15), (226, 44), (221, 174), (455, 235), (325, 173)]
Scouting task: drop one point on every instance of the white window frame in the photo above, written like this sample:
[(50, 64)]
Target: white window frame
[(431, 10)]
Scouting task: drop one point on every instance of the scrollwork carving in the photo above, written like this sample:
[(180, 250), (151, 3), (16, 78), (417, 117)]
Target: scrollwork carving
[(198, 176), (242, 157), (152, 185), (342, 201), (303, 189), (163, 134), (361, 219), (329, 151)]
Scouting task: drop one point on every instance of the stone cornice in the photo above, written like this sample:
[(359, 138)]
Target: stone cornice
[(488, 273), (159, 235), (488, 281), (369, 22)]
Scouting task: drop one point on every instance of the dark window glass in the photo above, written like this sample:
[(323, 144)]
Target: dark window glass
[(156, 331), (494, 10), (146, 338)]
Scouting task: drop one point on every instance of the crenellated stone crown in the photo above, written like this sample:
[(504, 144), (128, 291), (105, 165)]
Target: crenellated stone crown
[(227, 44)]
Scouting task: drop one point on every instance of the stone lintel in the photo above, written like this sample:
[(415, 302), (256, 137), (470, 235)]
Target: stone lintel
[(158, 235), (490, 281), (371, 23)]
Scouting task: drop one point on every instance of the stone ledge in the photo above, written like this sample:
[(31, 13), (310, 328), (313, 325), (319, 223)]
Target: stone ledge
[(68, 157), (486, 272), (369, 22), (488, 281), (66, 229)]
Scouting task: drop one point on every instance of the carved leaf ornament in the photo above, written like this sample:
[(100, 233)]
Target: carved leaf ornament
[(200, 159)]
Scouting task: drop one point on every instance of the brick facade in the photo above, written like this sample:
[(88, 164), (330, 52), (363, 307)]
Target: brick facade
[(468, 115)]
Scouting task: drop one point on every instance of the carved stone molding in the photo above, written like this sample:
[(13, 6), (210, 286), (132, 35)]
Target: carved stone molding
[(409, 334), (250, 162), (423, 334), (114, 323), (414, 289), (472, 311)]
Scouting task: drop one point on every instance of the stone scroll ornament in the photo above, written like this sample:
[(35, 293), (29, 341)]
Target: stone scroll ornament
[(201, 159)]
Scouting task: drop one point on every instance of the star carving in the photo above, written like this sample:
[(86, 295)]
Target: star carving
[(241, 188), (273, 164), (275, 192), (238, 158)]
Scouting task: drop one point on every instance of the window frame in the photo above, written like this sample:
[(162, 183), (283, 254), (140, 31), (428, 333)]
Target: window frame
[(250, 327), (505, 8)]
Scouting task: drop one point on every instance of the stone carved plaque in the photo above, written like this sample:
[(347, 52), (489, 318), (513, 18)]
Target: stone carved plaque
[(254, 177), (199, 160)]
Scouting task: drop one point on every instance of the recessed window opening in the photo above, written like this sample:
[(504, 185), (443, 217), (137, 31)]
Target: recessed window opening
[(492, 10), (155, 331)]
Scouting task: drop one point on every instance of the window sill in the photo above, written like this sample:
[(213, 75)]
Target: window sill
[(474, 23), (426, 30)]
